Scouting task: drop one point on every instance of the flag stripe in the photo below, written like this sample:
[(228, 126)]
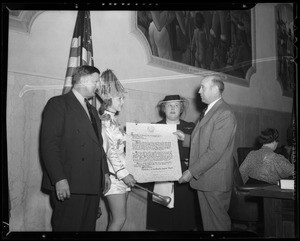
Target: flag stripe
[(70, 72), (81, 50), (74, 52), (76, 42)]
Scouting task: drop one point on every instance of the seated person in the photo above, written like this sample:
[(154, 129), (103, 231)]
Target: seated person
[(264, 165)]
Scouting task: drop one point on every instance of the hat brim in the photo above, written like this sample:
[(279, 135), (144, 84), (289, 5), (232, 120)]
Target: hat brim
[(166, 101)]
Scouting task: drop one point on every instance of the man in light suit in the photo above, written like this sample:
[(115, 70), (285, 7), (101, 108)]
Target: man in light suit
[(74, 163), (210, 169)]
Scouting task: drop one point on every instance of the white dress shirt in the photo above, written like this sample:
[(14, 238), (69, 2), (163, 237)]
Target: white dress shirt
[(211, 105), (80, 98)]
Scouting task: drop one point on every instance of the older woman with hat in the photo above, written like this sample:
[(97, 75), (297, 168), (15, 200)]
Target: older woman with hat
[(185, 215), (112, 94)]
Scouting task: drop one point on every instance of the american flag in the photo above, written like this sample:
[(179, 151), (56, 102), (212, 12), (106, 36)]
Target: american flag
[(81, 52)]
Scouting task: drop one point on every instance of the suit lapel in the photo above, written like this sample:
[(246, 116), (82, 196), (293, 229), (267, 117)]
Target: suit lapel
[(195, 131), (210, 113), (82, 115)]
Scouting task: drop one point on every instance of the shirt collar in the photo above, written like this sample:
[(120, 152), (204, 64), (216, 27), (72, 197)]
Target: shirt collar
[(211, 105), (78, 96)]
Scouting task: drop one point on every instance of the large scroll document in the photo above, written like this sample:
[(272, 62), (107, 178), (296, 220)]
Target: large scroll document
[(152, 153)]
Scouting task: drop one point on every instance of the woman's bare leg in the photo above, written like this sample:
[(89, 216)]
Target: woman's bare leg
[(117, 205)]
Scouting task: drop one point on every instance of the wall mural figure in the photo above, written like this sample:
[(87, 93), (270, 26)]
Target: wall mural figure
[(212, 40), (285, 47)]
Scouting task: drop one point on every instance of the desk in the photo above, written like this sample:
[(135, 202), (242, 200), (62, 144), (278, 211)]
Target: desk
[(279, 206)]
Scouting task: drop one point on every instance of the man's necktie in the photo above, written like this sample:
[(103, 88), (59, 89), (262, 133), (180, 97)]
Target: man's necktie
[(94, 123), (202, 114)]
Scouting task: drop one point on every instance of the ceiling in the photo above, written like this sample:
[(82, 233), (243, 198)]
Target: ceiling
[(22, 20)]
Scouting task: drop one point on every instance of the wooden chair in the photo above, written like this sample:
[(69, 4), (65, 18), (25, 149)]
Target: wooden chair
[(245, 211)]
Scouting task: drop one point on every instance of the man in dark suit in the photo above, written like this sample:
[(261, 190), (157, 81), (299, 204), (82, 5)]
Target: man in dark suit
[(210, 169), (75, 166)]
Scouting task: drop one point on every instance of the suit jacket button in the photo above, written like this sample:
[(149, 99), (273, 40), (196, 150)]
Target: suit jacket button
[(82, 159)]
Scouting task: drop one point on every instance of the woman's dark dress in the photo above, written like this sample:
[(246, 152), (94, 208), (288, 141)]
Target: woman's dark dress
[(185, 215)]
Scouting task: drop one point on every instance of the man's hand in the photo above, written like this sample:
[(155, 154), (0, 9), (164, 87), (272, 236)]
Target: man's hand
[(129, 180), (107, 183), (186, 177), (62, 189), (180, 135)]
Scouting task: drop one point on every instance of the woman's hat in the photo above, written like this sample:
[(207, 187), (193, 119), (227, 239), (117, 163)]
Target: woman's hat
[(169, 98), (110, 86)]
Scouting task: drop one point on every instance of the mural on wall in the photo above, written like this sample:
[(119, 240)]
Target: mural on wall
[(285, 48), (212, 40)]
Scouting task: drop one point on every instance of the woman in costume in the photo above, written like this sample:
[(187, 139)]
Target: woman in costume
[(112, 95)]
